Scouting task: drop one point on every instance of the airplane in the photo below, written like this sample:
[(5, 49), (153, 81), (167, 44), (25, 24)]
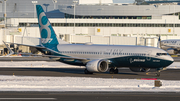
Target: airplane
[(171, 46), (100, 58)]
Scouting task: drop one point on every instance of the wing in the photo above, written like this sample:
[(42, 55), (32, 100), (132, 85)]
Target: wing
[(64, 57), (40, 47), (35, 46)]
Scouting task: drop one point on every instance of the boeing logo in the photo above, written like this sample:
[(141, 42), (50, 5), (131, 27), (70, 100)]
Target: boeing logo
[(137, 60)]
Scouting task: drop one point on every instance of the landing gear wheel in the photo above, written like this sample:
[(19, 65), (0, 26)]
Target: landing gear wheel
[(87, 72), (116, 71), (113, 71), (158, 74)]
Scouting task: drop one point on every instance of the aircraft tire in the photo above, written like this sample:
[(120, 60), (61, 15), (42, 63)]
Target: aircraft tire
[(113, 71), (116, 71), (157, 74)]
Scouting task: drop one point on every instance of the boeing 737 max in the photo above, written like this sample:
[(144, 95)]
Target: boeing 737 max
[(100, 58)]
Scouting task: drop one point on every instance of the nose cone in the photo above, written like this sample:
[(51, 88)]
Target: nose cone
[(170, 60)]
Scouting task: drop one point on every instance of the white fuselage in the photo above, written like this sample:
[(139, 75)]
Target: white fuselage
[(110, 51), (166, 44)]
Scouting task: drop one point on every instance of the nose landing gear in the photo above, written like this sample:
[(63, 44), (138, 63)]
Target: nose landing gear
[(157, 73)]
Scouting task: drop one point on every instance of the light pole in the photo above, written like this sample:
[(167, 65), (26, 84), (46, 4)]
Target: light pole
[(174, 19), (5, 12), (75, 2), (1, 2), (4, 36), (174, 22), (46, 5), (34, 2), (54, 2)]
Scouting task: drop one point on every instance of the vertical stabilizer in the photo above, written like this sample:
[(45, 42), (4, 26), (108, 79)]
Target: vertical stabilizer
[(48, 36)]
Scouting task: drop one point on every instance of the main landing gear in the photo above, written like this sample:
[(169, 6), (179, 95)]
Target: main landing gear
[(113, 71), (87, 72)]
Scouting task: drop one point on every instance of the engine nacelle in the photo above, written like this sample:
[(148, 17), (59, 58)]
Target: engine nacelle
[(172, 51), (139, 69), (97, 66)]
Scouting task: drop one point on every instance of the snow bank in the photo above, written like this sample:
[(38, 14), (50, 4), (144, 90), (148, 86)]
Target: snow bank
[(33, 83), (175, 65)]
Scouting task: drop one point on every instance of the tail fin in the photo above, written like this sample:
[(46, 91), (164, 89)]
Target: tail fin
[(48, 36)]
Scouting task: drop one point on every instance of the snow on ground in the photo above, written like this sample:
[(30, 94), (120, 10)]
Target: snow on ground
[(44, 64), (175, 65), (33, 83)]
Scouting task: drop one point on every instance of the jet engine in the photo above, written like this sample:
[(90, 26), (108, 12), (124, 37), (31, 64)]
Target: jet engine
[(139, 69), (172, 51), (97, 66)]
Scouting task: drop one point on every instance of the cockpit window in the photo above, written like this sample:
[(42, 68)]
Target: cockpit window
[(159, 54)]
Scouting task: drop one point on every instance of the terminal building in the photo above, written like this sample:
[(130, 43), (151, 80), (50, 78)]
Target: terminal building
[(96, 21)]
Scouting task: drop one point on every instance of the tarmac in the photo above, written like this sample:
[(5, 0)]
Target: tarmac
[(88, 96), (169, 74)]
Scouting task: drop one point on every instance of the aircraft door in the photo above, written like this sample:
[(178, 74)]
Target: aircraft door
[(148, 54)]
